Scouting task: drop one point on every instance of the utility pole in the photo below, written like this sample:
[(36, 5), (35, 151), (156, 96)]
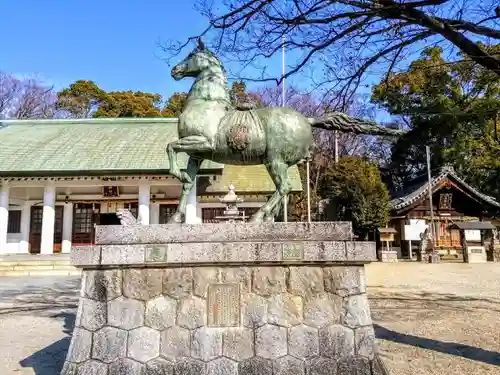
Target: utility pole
[(308, 182), (283, 89), (283, 100), (336, 145), (433, 229)]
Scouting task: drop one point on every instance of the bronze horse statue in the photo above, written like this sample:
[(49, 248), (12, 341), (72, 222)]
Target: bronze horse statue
[(211, 128)]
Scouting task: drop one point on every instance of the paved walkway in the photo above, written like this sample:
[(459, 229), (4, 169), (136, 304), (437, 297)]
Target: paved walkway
[(430, 319)]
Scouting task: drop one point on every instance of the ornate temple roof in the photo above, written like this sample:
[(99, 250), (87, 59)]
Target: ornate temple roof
[(418, 190)]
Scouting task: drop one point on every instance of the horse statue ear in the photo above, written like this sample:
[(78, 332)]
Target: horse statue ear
[(201, 45)]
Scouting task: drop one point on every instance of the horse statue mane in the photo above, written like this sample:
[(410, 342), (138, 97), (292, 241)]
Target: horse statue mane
[(210, 127)]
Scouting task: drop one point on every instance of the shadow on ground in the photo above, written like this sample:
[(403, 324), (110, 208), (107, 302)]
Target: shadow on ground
[(55, 298), (407, 307), (50, 360), (38, 291), (389, 306), (460, 350)]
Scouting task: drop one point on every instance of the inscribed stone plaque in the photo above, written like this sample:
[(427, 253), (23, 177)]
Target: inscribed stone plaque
[(223, 305), (293, 251), (156, 253)]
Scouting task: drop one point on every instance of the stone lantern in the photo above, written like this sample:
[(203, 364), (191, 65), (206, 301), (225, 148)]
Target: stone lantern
[(232, 213)]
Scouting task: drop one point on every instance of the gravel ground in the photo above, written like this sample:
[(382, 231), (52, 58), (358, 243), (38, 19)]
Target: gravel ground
[(430, 319), (437, 318)]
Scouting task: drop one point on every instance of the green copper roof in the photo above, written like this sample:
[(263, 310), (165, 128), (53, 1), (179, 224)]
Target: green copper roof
[(113, 146), (69, 147), (247, 179)]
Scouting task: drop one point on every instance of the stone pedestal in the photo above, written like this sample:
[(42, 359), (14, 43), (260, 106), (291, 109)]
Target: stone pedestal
[(430, 257), (388, 256), (475, 254), (274, 298)]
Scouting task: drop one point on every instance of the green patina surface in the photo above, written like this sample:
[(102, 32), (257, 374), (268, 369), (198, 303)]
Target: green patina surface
[(211, 127), (40, 147)]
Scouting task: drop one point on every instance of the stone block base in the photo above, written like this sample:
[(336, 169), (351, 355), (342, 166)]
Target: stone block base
[(285, 315), (430, 257), (388, 256), (475, 254)]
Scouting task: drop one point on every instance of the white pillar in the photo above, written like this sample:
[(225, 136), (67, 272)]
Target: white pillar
[(24, 245), (144, 193), (67, 228), (154, 213), (191, 207), (199, 212), (48, 219), (4, 216)]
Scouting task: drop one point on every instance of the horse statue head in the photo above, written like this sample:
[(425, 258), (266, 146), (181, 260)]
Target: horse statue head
[(199, 60)]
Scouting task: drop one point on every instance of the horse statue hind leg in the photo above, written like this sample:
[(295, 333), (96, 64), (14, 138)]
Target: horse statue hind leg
[(278, 171)]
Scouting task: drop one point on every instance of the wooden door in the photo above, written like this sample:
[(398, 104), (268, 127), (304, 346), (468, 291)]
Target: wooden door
[(84, 218), (36, 221), (166, 212), (58, 229), (36, 229)]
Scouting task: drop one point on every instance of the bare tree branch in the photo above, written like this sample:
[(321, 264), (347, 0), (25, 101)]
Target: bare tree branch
[(352, 39), (25, 98)]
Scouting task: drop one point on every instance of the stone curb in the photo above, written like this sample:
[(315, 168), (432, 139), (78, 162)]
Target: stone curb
[(229, 232), (224, 253)]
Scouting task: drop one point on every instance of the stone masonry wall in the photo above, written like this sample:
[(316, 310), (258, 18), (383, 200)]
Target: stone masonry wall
[(224, 320)]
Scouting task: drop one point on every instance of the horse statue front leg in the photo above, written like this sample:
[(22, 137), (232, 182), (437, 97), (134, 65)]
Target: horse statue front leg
[(190, 145), (192, 169)]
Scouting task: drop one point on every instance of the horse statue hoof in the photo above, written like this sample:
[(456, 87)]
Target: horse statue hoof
[(268, 219)]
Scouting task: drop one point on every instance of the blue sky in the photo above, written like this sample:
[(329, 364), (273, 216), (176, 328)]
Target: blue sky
[(114, 43)]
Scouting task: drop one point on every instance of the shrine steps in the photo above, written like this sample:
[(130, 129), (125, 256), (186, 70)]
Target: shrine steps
[(37, 265)]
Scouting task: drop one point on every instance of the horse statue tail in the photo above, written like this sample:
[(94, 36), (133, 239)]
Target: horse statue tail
[(347, 124)]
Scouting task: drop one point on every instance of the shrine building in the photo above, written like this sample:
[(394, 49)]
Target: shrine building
[(59, 178), (454, 203)]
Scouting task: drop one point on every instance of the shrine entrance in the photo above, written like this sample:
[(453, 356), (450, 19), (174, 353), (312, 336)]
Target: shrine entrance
[(109, 219), (36, 219)]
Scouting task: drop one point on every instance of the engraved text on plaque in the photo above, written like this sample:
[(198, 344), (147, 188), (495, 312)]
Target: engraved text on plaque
[(293, 251), (223, 305)]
